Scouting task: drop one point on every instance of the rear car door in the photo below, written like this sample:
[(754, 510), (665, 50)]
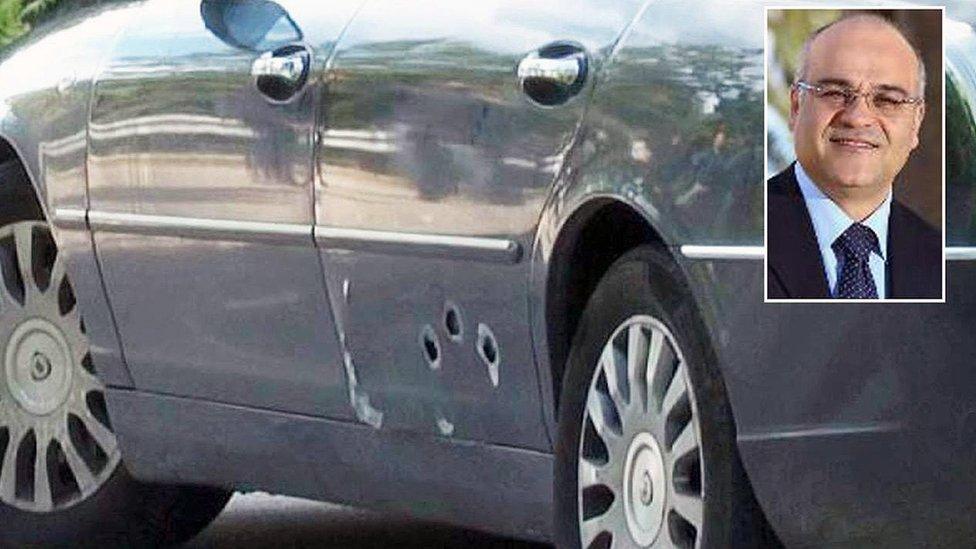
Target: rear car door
[(433, 170), (201, 201)]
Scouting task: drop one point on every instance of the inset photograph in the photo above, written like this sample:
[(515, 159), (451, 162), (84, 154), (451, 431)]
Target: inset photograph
[(855, 196)]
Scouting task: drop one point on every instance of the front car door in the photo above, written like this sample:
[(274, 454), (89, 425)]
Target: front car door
[(201, 202)]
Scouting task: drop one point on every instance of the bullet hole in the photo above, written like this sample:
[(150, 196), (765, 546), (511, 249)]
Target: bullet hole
[(453, 324), (487, 349), (430, 347)]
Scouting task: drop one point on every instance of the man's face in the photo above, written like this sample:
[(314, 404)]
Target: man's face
[(852, 149)]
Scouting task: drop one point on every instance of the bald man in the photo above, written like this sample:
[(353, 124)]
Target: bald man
[(834, 231)]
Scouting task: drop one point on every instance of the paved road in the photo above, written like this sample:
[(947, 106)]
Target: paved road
[(261, 520)]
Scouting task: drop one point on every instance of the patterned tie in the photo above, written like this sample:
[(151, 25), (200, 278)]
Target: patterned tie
[(854, 246)]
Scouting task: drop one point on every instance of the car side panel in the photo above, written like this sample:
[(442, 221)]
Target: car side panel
[(44, 99), (853, 420), (673, 132), (503, 490), (201, 211), (425, 132)]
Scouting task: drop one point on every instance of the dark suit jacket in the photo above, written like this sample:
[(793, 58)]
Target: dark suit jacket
[(796, 270)]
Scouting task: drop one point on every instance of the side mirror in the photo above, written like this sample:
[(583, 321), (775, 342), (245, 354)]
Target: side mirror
[(252, 25)]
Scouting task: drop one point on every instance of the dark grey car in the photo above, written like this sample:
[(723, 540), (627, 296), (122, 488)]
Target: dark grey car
[(497, 264)]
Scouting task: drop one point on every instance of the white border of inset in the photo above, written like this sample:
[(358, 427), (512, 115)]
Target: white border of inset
[(766, 54)]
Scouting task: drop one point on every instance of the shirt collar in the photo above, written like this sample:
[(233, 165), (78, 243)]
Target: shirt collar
[(830, 221)]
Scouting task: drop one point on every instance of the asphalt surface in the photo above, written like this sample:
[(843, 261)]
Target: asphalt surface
[(262, 520)]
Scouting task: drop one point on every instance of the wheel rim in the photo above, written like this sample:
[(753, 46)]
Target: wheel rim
[(56, 445), (640, 465)]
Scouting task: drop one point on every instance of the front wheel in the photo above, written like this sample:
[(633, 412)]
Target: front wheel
[(645, 455), (62, 482)]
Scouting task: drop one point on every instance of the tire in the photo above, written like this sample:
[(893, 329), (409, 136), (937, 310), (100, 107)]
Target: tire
[(62, 482), (122, 513), (672, 436)]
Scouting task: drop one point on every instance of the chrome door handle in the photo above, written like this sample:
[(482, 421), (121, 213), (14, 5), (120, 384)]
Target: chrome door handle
[(282, 73), (553, 74)]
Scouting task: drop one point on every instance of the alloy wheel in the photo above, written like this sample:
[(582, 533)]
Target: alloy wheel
[(640, 464), (56, 444)]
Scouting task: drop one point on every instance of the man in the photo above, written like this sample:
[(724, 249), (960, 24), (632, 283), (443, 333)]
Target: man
[(833, 229)]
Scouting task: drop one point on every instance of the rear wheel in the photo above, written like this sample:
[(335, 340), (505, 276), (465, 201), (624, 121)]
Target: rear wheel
[(645, 455), (61, 479)]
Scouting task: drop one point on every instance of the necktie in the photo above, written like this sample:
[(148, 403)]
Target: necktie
[(854, 247)]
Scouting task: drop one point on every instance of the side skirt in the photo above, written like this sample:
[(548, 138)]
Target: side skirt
[(178, 440)]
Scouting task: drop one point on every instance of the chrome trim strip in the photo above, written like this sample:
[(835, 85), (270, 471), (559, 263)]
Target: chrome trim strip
[(70, 218), (209, 229), (466, 247), (960, 253), (824, 431), (447, 246), (693, 251)]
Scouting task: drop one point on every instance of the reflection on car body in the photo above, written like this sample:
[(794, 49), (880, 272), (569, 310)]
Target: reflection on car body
[(404, 284)]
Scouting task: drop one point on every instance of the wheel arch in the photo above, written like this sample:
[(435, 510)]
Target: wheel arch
[(592, 237), (83, 267), (7, 151), (10, 153)]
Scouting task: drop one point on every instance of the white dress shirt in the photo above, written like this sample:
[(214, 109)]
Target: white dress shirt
[(830, 221)]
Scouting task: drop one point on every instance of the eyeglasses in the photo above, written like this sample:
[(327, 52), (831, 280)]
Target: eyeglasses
[(887, 103)]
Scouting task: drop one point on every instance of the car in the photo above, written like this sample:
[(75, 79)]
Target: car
[(496, 264)]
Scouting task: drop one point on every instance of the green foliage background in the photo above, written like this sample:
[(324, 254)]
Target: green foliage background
[(790, 29), (18, 17)]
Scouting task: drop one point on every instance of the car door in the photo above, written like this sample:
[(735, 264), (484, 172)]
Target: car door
[(433, 169), (201, 201)]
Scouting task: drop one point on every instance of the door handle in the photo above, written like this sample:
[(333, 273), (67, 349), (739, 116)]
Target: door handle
[(280, 74), (554, 74)]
